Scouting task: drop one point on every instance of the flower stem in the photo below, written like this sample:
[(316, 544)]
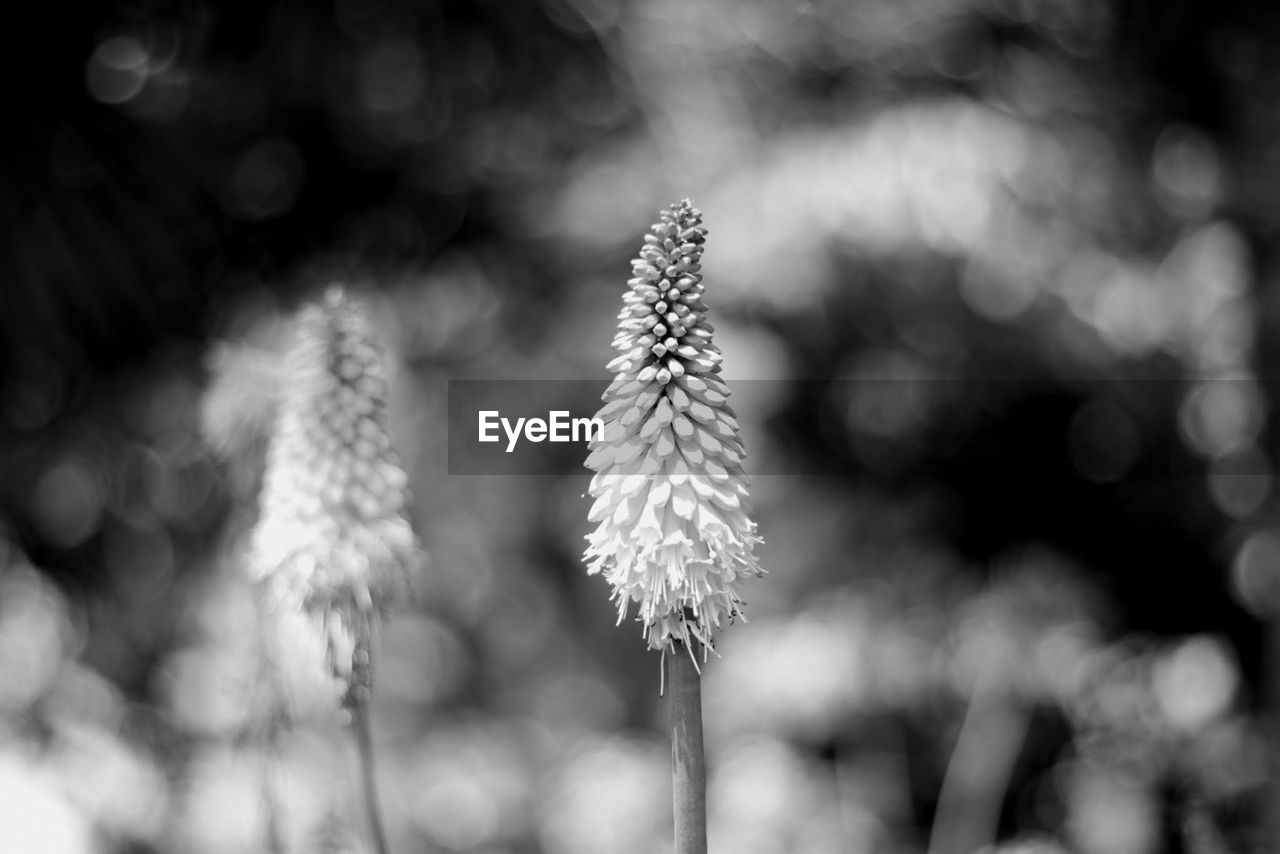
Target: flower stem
[(270, 792), (363, 731), (688, 766), (274, 721), (357, 703), (977, 778)]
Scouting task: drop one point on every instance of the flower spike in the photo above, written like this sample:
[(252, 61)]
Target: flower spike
[(333, 538), (671, 498)]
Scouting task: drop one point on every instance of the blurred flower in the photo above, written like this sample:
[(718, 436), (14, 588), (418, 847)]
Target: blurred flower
[(333, 537), (241, 403), (671, 496), (1031, 631), (36, 635), (610, 794), (468, 787), (35, 815), (770, 682), (116, 784), (220, 810), (1109, 811), (768, 798), (1195, 682), (239, 407)]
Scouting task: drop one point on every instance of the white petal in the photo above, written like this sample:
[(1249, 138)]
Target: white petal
[(702, 486), (683, 502), (600, 509), (665, 443), (701, 412)]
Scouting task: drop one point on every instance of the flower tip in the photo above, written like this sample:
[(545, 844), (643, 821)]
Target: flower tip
[(335, 295)]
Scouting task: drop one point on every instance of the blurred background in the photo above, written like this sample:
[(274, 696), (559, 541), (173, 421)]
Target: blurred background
[(1007, 267)]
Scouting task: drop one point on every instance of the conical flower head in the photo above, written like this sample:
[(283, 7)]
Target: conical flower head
[(674, 535), (333, 537)]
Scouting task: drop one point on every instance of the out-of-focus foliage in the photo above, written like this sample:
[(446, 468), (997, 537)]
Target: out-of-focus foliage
[(1005, 265)]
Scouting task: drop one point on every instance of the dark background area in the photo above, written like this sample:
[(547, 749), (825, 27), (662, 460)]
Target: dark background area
[(1004, 270)]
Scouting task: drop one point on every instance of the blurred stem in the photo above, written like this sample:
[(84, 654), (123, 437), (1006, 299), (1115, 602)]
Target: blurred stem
[(991, 737), (357, 703), (688, 766), (363, 729), (270, 792), (275, 719), (1270, 820)]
